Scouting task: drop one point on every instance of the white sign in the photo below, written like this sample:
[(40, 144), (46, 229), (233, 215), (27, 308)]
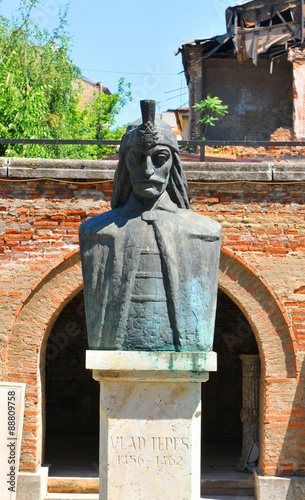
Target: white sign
[(11, 422)]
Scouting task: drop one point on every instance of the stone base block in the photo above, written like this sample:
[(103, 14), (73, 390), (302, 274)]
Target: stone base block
[(32, 485), (279, 488), (152, 366), (150, 422)]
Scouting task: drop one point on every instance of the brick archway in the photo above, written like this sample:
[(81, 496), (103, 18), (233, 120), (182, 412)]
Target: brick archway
[(27, 344), (264, 313), (276, 347), (35, 319)]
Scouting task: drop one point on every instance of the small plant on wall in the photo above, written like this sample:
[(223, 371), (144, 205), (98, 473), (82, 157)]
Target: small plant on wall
[(211, 108)]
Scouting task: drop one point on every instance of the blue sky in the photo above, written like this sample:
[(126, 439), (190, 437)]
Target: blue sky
[(135, 39)]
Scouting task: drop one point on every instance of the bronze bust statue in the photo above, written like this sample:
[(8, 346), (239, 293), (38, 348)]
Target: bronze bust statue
[(150, 265)]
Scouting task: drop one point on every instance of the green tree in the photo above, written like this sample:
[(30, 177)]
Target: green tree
[(211, 108), (98, 118), (39, 93)]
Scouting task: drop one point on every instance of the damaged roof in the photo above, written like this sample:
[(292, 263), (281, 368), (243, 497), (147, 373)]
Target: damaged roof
[(257, 27)]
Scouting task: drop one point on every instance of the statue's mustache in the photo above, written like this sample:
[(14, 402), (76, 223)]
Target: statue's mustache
[(143, 179)]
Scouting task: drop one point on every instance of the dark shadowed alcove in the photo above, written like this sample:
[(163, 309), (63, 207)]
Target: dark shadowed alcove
[(72, 397), (222, 430)]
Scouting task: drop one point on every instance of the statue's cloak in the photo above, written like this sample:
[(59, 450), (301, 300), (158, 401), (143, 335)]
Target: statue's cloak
[(189, 246)]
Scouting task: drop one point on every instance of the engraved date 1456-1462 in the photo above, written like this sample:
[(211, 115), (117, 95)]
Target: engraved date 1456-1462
[(174, 449)]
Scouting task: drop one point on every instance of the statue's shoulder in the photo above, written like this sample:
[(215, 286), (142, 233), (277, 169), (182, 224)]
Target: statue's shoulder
[(100, 223), (198, 223)]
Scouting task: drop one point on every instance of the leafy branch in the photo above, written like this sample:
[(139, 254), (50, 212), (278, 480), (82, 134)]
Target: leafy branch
[(211, 109)]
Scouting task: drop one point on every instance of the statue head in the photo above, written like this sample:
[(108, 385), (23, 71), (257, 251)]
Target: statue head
[(149, 162)]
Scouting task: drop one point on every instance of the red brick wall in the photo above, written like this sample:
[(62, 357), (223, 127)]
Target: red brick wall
[(259, 102), (262, 271)]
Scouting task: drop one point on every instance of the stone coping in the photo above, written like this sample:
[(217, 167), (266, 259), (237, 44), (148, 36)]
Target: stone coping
[(277, 488), (73, 484), (86, 170), (152, 365)]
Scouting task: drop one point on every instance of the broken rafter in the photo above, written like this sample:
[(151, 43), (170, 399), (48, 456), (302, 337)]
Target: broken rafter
[(263, 28), (270, 25), (255, 37), (283, 21), (208, 54)]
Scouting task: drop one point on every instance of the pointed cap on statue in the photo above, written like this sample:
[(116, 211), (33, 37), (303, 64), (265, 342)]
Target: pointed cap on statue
[(148, 110), (148, 132)]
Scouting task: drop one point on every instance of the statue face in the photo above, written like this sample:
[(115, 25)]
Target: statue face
[(149, 170)]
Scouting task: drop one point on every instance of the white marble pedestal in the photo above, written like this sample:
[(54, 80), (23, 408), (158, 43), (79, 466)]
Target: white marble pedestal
[(150, 417)]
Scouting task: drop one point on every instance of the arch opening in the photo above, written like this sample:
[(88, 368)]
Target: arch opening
[(72, 397), (222, 398)]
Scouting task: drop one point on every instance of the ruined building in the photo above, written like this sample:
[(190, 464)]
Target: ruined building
[(257, 68)]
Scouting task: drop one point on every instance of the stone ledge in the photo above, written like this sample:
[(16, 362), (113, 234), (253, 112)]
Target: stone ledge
[(153, 365), (4, 163), (279, 488), (57, 169), (228, 171), (36, 168), (226, 485), (73, 485), (72, 496), (32, 485), (289, 172)]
